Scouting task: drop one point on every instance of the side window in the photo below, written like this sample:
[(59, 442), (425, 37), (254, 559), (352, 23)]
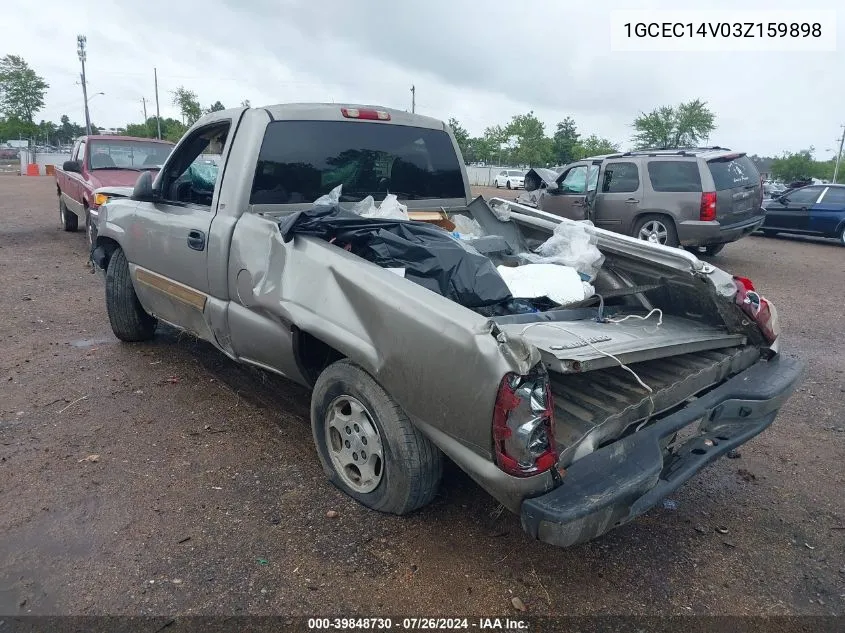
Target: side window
[(807, 195), (674, 175), (74, 153), (593, 178), (191, 172), (834, 195), (80, 152), (620, 178), (574, 180)]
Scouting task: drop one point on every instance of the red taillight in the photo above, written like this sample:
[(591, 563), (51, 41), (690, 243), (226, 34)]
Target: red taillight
[(758, 308), (370, 115), (523, 425), (707, 212)]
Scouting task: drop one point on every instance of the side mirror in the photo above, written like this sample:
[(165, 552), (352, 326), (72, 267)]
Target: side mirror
[(72, 165), (143, 191)]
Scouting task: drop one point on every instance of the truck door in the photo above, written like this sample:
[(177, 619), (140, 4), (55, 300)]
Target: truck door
[(618, 196), (569, 199), (169, 237), (75, 187)]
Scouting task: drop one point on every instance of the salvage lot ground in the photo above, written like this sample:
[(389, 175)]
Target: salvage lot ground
[(206, 495)]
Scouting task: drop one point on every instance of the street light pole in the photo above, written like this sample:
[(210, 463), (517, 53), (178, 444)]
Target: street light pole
[(80, 50), (839, 155)]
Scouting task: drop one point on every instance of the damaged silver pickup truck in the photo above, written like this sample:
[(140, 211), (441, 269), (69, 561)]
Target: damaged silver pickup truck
[(577, 375)]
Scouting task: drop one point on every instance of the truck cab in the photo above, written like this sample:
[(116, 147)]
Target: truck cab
[(102, 161)]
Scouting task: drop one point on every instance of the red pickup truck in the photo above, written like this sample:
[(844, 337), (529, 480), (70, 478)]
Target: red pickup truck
[(102, 161)]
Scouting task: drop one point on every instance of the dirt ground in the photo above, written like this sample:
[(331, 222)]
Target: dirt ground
[(206, 495)]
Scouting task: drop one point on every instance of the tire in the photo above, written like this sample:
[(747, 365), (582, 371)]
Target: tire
[(769, 233), (842, 236), (496, 182), (129, 321), (348, 403), (508, 184), (68, 219), (659, 229), (713, 249)]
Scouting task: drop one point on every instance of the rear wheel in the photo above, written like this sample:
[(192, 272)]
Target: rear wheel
[(129, 321), (68, 220), (657, 229), (368, 447), (496, 182), (842, 236)]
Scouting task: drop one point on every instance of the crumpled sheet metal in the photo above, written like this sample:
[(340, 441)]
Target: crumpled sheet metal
[(430, 256), (536, 177), (402, 334)]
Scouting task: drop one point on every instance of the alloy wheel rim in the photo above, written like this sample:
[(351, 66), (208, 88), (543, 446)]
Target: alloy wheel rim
[(354, 444), (654, 232)]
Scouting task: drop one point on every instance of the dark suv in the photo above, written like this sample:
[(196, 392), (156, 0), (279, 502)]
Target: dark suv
[(698, 198)]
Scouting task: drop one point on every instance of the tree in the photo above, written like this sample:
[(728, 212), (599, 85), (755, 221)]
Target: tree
[(171, 129), (188, 105), (595, 146), (794, 166), (532, 146), (461, 136), (215, 107), (565, 142), (493, 144), (684, 125), (21, 90), (245, 103)]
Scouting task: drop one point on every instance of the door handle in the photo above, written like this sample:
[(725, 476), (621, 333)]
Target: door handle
[(196, 240), (631, 200)]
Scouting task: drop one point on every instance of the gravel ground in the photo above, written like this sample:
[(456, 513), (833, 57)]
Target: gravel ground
[(162, 478)]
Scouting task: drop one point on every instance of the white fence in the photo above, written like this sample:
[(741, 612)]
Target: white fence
[(483, 176), (42, 160)]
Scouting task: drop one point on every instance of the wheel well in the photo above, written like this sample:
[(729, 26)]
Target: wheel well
[(104, 248), (645, 214), (312, 355)]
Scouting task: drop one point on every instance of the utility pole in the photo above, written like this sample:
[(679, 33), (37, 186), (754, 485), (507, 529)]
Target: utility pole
[(146, 127), (80, 50), (413, 99), (839, 155), (158, 116)]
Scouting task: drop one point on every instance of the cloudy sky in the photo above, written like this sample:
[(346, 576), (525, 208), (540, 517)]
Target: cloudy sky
[(481, 62)]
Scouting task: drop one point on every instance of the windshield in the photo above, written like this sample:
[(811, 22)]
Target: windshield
[(128, 154), (515, 173), (303, 160)]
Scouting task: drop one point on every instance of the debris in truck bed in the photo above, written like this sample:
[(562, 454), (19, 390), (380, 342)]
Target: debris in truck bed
[(561, 284), (430, 256), (570, 245)]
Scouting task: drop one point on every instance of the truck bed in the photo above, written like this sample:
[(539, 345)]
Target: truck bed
[(596, 407)]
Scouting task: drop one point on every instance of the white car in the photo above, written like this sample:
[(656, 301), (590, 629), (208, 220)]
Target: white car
[(510, 178)]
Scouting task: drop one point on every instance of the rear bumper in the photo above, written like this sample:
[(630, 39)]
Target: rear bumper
[(697, 233), (621, 481)]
